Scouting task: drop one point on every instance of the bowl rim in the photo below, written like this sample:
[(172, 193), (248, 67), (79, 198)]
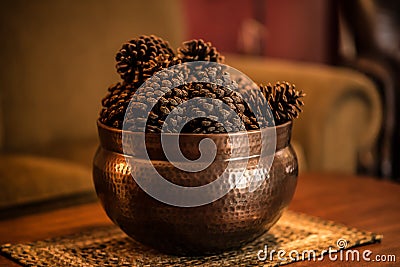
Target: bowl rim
[(249, 132)]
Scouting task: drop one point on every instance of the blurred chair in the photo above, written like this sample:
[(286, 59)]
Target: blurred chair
[(58, 60), (370, 43), (342, 115), (57, 63)]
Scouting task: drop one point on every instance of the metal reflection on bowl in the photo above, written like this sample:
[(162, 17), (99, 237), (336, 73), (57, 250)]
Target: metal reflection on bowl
[(255, 202)]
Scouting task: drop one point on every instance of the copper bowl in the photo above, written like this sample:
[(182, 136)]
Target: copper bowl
[(229, 222)]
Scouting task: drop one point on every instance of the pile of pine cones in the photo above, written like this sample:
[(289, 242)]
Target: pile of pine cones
[(145, 56)]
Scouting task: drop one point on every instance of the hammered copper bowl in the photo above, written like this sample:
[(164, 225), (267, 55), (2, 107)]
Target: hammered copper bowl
[(227, 223)]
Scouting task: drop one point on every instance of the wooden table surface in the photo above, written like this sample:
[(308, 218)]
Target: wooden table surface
[(360, 202)]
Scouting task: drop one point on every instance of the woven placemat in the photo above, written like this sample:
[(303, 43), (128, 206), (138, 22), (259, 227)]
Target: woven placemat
[(109, 246)]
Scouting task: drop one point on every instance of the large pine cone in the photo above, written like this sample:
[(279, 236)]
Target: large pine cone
[(284, 101), (138, 59), (198, 50), (115, 104)]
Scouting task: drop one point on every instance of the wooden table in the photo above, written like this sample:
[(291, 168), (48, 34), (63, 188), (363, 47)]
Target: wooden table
[(360, 202)]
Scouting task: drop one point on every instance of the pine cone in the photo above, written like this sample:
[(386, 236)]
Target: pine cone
[(284, 101), (141, 58), (115, 104), (137, 59), (160, 84), (163, 61), (198, 50), (179, 94), (253, 96)]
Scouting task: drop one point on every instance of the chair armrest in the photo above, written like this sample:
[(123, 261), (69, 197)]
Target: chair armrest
[(342, 113), (27, 179)]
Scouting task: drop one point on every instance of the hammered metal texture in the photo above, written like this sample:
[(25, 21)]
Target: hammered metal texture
[(229, 222)]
